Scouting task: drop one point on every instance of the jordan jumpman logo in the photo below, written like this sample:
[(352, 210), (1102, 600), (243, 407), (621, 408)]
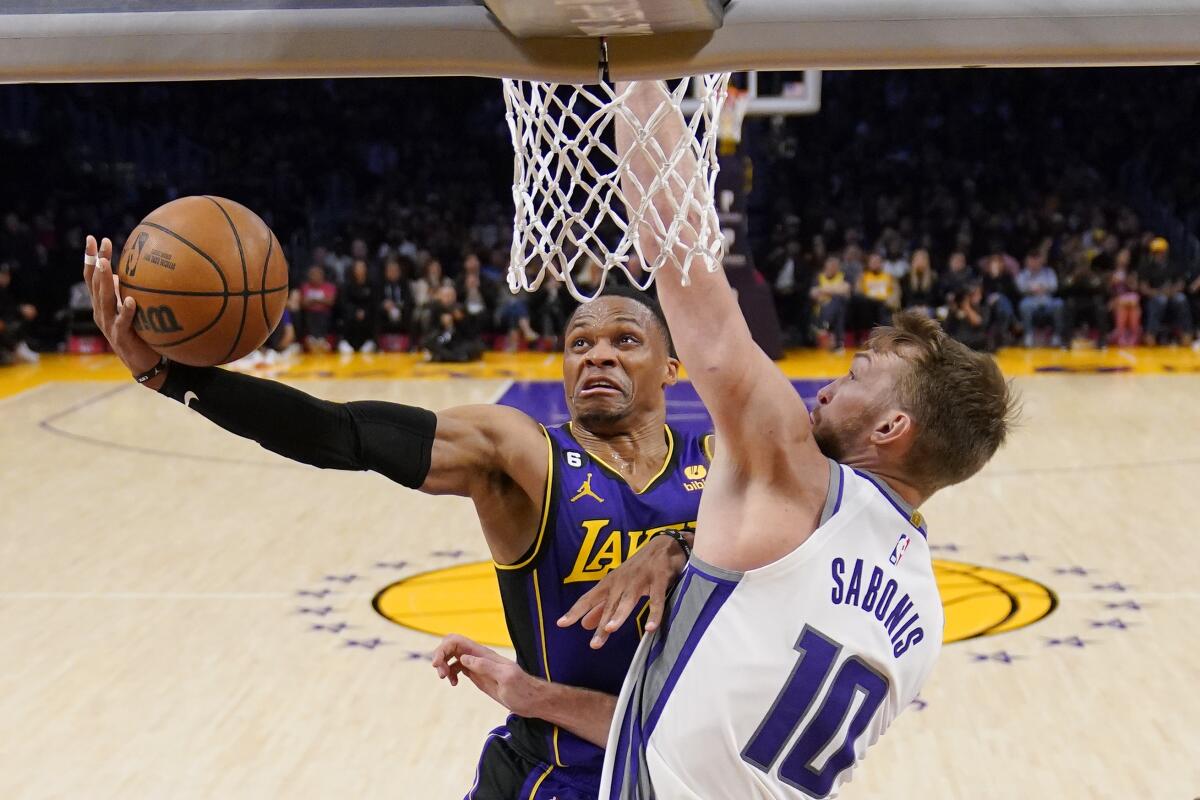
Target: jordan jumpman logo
[(586, 490)]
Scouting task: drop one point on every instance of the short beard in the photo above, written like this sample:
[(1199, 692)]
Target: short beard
[(830, 442), (840, 441)]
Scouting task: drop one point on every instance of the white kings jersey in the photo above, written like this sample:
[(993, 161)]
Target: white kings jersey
[(772, 683)]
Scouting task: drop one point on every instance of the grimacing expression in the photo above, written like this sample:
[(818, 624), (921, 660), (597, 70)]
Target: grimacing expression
[(615, 363), (849, 408)]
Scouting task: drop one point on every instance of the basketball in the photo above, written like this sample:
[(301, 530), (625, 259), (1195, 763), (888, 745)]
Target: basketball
[(209, 278)]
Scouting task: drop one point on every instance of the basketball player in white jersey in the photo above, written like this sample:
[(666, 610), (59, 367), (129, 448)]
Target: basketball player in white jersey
[(808, 617)]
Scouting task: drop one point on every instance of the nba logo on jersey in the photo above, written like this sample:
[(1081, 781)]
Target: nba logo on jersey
[(898, 550)]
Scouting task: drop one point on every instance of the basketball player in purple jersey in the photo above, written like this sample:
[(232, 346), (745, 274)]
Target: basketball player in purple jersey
[(559, 508)]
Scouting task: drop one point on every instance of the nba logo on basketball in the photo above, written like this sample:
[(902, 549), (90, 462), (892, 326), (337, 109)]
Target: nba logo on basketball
[(898, 550)]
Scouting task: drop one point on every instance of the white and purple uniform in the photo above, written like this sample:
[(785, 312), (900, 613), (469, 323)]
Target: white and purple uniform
[(772, 683)]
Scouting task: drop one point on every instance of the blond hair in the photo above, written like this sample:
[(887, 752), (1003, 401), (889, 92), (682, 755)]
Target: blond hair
[(958, 399)]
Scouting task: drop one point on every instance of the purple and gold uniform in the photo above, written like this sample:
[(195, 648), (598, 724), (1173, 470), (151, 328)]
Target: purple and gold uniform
[(592, 521)]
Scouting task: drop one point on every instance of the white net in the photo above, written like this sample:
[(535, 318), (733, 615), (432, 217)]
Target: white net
[(572, 222)]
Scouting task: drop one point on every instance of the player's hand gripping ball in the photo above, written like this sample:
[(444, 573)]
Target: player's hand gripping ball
[(209, 278)]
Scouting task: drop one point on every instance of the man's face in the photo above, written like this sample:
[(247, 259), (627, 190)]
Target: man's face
[(316, 276), (849, 409), (615, 364), (392, 272), (5, 279), (958, 262), (875, 263), (832, 265)]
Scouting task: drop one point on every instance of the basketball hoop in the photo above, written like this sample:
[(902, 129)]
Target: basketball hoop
[(570, 209)]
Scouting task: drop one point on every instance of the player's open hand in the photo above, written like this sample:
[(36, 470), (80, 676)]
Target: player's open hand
[(500, 678), (114, 315), (648, 573)]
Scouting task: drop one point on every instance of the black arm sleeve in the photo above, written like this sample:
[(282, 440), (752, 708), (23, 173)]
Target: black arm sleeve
[(392, 439)]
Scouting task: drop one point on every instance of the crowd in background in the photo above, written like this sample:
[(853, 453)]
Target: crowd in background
[(1018, 207)]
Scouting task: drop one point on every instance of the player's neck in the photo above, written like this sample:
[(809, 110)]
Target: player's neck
[(890, 475), (633, 451)]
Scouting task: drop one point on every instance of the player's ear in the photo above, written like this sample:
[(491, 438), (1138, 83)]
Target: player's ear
[(895, 427), (672, 376)]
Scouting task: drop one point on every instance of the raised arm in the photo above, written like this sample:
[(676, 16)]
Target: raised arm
[(757, 413), (493, 454)]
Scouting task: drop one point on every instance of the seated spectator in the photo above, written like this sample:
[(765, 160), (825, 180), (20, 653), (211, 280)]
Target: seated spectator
[(894, 263), (432, 278), (999, 294), (478, 294), (875, 294), (358, 300), (395, 309), (1193, 293), (552, 305), (1125, 301), (1166, 303), (478, 308), (14, 321), (1037, 283), (831, 295), (446, 340), (918, 290), (967, 319), (1085, 296), (317, 296), (954, 280)]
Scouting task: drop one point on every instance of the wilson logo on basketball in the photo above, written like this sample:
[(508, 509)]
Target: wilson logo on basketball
[(159, 319), (135, 254)]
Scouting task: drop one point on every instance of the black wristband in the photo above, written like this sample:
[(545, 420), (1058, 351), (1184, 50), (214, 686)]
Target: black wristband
[(154, 371), (679, 540)]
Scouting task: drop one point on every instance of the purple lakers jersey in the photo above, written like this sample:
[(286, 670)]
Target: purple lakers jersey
[(592, 522)]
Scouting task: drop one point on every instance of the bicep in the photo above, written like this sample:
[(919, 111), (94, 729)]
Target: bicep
[(474, 444)]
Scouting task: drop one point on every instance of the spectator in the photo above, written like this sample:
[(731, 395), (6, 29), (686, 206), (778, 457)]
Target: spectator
[(954, 280), (15, 318), (895, 264), (1037, 283), (395, 314), (359, 303), (1166, 303), (446, 340), (875, 293), (918, 291), (478, 309), (551, 307), (999, 294), (478, 294), (1085, 296), (512, 317), (1125, 301), (432, 278), (831, 294), (967, 319), (317, 297)]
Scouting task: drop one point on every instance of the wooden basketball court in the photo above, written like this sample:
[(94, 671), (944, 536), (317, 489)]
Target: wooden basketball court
[(188, 616)]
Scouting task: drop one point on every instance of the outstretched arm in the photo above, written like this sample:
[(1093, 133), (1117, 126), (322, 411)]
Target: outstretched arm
[(493, 454), (758, 415)]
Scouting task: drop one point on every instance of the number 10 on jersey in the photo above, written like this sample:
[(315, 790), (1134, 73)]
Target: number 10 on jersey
[(809, 682)]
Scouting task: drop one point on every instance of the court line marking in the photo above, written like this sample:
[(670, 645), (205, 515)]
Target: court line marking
[(28, 390), (341, 596), (48, 424)]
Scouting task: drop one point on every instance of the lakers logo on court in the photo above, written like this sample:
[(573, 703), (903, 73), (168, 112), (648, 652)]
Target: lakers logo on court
[(978, 600)]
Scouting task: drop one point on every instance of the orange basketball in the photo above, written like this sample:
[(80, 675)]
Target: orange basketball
[(209, 278)]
